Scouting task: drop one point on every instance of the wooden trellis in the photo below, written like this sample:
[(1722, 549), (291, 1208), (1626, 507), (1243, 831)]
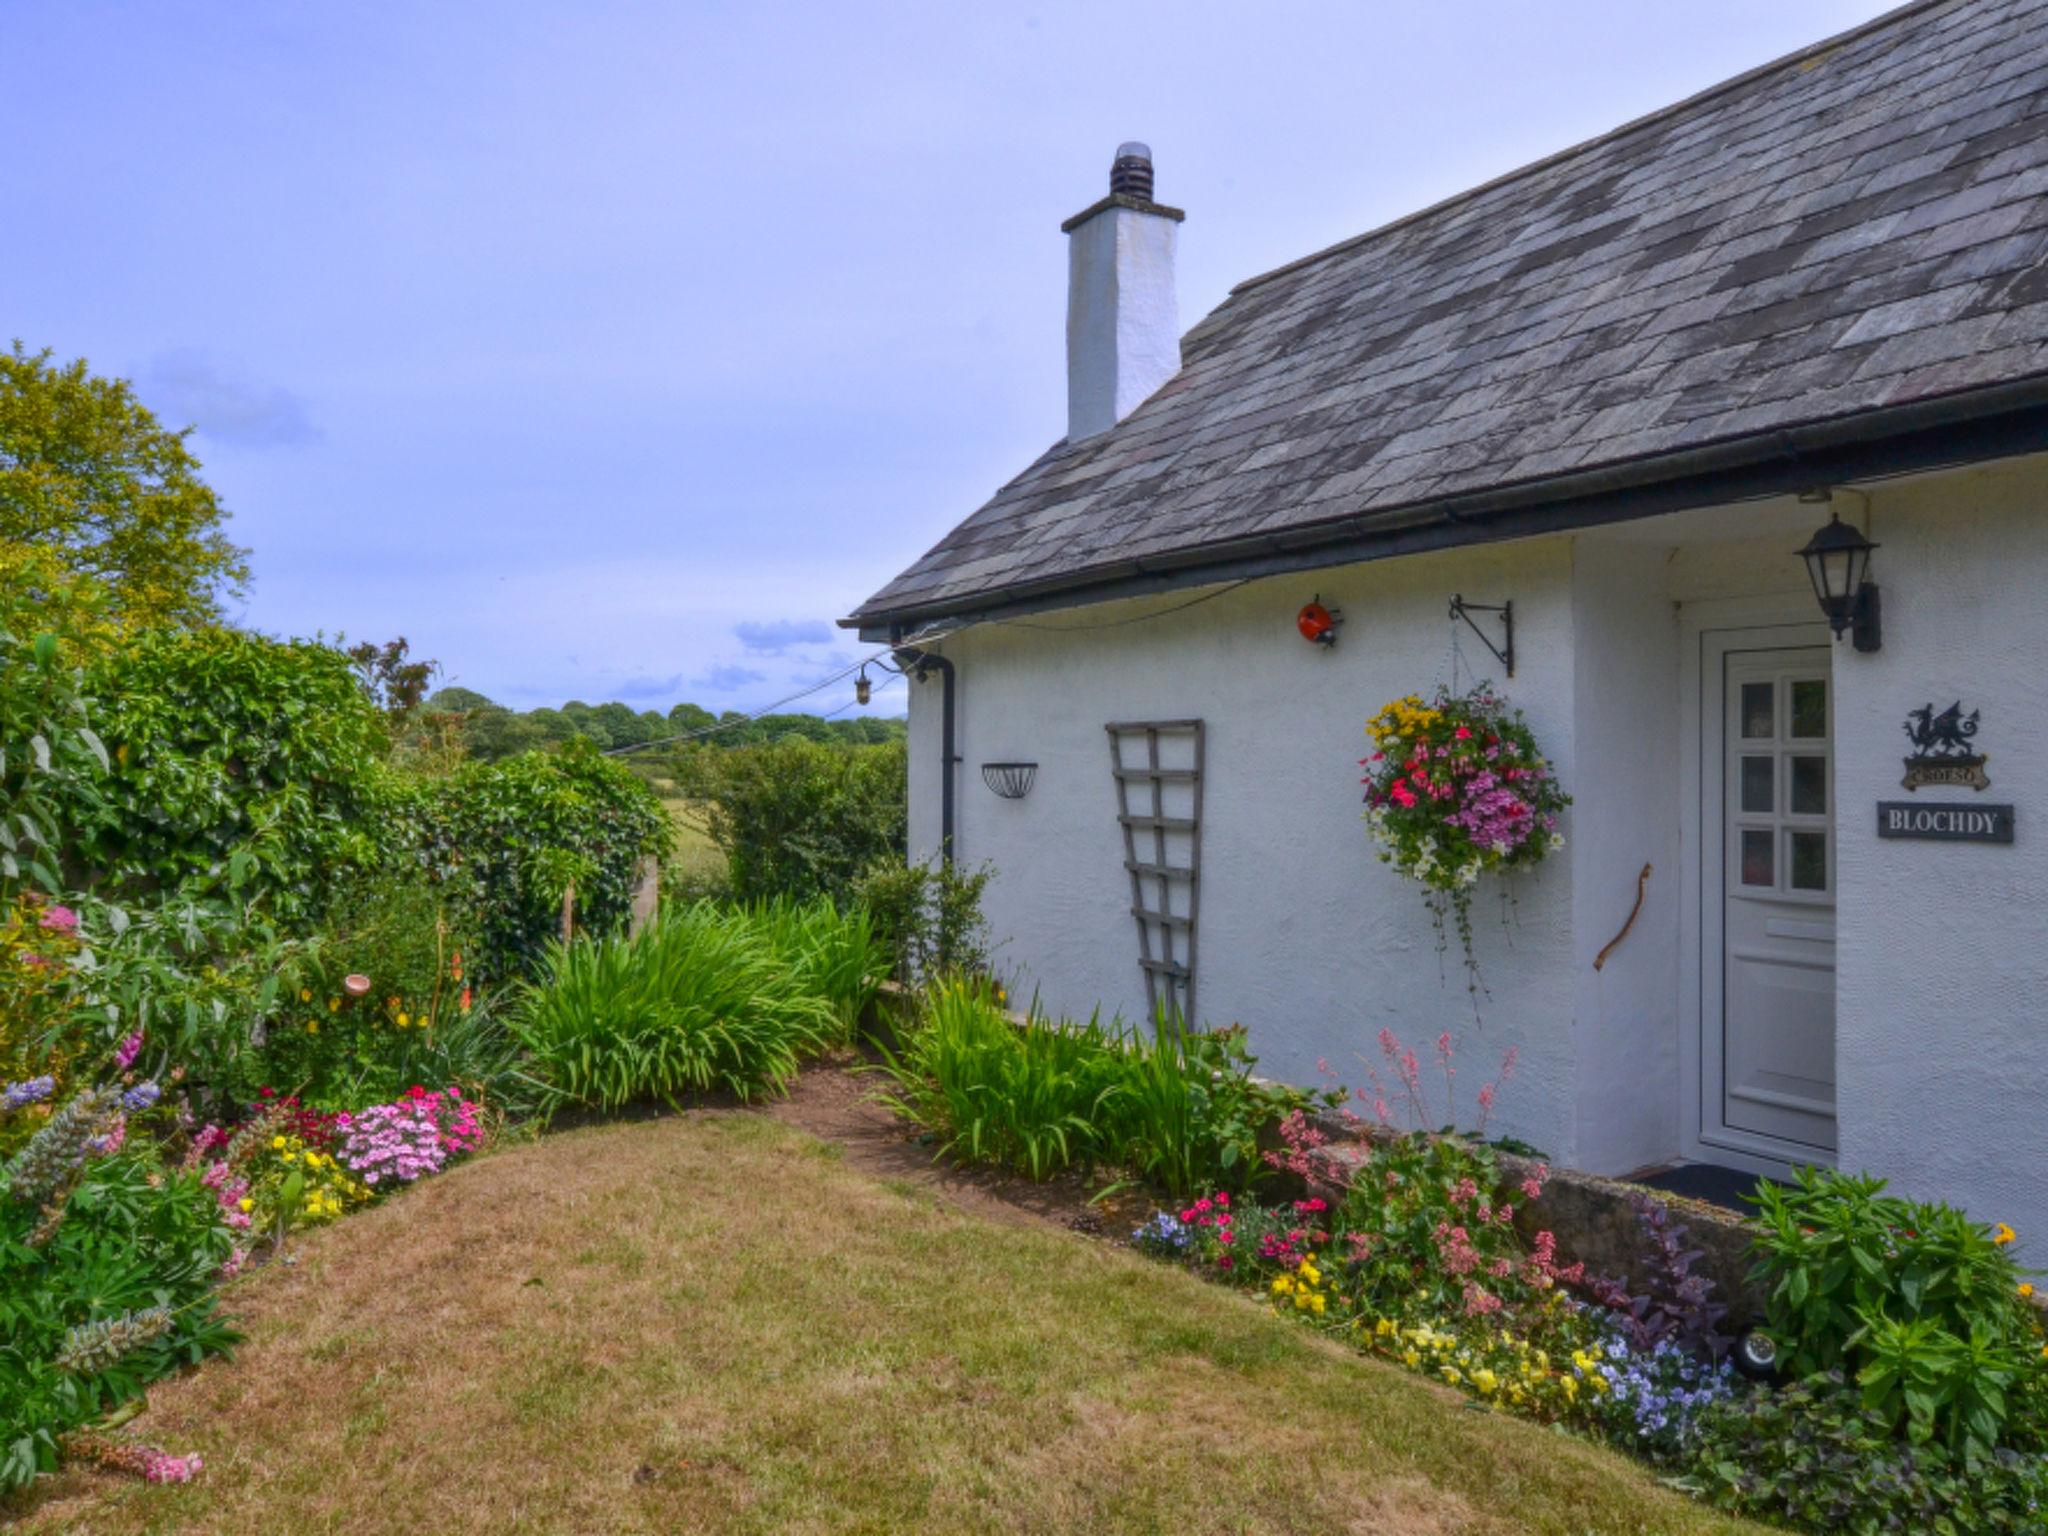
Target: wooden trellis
[(1162, 826)]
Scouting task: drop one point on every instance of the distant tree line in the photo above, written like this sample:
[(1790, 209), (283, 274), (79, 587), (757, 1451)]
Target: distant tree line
[(487, 730)]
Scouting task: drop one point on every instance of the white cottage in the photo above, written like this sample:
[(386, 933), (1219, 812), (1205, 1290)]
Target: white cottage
[(1606, 400)]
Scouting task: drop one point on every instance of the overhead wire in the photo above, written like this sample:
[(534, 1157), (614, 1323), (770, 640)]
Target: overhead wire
[(880, 661), (877, 659), (1136, 618)]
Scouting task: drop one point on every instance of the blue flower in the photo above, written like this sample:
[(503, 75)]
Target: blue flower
[(140, 1097), (1164, 1234), (34, 1091)]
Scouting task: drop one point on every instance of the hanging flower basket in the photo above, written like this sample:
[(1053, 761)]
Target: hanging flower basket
[(1456, 788)]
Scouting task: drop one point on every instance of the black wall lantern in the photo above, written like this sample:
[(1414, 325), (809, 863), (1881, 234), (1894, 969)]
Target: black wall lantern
[(1838, 563)]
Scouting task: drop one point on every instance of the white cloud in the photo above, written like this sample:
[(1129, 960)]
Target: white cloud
[(779, 635), (192, 388)]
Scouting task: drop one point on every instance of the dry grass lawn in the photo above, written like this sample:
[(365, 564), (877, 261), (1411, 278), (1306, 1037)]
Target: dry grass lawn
[(712, 1323)]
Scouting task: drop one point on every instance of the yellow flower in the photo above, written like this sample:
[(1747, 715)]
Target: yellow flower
[(334, 1005), (1383, 1328), (245, 1204), (1315, 1305), (305, 994), (1485, 1380), (277, 1143), (2005, 1235), (312, 1026), (1413, 1358), (404, 1019), (1450, 1374), (1282, 1285), (2026, 1288)]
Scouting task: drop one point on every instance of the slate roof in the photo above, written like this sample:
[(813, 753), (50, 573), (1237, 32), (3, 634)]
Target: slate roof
[(1861, 225)]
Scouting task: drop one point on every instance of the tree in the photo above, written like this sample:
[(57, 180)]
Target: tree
[(458, 700), (492, 733), (87, 472), (795, 818), (393, 683)]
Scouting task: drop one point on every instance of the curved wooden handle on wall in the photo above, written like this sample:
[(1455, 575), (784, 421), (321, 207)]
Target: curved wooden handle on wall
[(1614, 943)]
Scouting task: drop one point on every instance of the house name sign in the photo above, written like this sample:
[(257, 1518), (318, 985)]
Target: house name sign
[(1945, 823), (1944, 757)]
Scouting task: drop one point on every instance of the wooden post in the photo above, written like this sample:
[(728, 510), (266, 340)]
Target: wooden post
[(646, 894), (568, 911)]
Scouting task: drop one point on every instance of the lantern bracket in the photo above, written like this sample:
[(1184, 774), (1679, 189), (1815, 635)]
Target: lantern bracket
[(1504, 653)]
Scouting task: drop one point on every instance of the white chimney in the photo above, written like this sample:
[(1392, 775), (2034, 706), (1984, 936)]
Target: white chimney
[(1123, 321)]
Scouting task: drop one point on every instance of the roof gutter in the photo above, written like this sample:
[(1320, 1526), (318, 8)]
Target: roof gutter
[(1967, 427)]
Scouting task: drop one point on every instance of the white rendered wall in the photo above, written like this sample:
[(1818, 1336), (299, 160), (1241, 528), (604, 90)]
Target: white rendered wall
[(1942, 996), (1942, 954), (1625, 716), (1305, 936)]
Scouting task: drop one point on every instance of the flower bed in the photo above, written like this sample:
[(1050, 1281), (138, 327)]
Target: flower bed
[(1915, 1387), (111, 1253)]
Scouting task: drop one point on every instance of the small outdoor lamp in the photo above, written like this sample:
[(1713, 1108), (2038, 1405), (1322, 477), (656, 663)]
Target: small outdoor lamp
[(1838, 563), (1756, 1356), (863, 690)]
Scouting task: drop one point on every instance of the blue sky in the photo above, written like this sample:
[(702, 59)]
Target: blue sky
[(612, 350)]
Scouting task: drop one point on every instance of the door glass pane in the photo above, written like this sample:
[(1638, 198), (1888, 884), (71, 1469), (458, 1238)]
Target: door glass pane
[(1809, 861), (1756, 857), (1809, 785), (1810, 708), (1757, 710), (1756, 784)]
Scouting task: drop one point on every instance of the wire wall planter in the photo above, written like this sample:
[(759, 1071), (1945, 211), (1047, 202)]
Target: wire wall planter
[(1010, 780)]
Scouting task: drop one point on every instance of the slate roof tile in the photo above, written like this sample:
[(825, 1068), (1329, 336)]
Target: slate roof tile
[(1862, 225)]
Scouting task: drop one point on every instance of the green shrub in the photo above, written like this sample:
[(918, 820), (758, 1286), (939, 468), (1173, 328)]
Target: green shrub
[(233, 755), (1177, 1108), (928, 915), (698, 1001), (832, 954), (1811, 1455), (198, 977), (1188, 1112), (1919, 1304), (52, 764), (1030, 1098), (513, 835), (473, 1050), (134, 1237), (799, 819), (411, 937)]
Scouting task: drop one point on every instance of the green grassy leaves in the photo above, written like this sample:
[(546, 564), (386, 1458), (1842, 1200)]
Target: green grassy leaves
[(705, 1000)]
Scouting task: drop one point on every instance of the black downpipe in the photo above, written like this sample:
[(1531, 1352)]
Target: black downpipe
[(922, 662)]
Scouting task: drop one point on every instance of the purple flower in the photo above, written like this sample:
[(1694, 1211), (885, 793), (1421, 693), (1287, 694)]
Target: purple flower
[(34, 1091), (126, 1052), (140, 1097)]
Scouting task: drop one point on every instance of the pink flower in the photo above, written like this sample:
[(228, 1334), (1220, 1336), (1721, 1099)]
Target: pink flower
[(59, 920), (126, 1052)]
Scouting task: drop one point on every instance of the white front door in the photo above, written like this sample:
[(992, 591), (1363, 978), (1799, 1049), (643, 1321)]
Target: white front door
[(1775, 1009)]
